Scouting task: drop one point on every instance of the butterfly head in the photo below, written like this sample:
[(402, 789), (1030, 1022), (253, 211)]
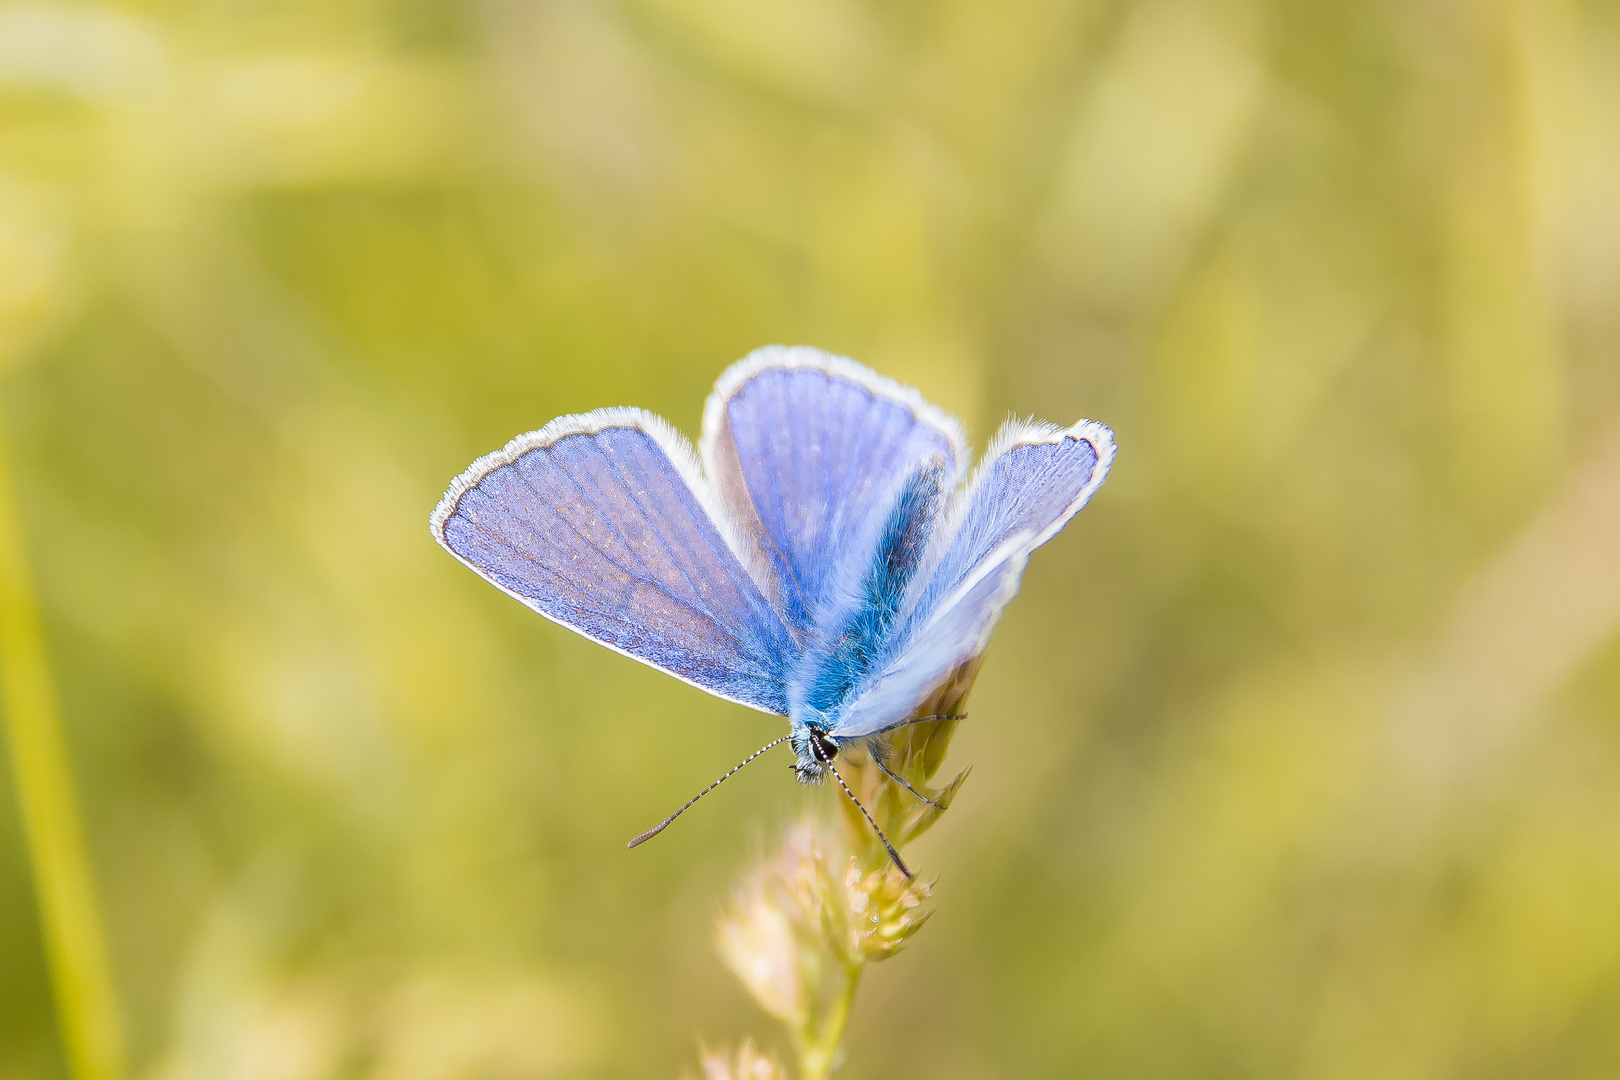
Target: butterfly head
[(813, 752)]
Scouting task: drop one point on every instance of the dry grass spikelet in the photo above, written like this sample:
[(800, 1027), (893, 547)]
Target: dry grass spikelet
[(885, 909), (746, 1064), (803, 924)]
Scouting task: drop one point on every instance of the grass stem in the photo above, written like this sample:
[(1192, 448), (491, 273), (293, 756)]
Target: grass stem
[(81, 975), (818, 1048)]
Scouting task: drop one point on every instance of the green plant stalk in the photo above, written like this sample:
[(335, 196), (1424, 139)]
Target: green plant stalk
[(918, 749), (818, 1044), (75, 949)]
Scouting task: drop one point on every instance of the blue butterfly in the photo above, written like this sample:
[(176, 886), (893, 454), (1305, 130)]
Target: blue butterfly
[(825, 562)]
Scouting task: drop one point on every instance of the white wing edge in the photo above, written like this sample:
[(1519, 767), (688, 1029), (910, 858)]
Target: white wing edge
[(792, 357), (673, 443), (662, 432)]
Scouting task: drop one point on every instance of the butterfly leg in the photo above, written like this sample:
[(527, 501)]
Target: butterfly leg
[(877, 760), (878, 750)]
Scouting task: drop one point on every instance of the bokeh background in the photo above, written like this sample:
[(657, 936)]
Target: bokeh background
[(1298, 756)]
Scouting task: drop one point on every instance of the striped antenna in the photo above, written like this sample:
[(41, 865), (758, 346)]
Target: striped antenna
[(815, 747), (662, 825)]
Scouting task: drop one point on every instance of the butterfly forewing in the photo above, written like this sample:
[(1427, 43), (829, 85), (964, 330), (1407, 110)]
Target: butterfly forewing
[(599, 523), (810, 450)]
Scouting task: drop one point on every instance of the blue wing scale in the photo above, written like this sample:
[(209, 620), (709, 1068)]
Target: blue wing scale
[(824, 564)]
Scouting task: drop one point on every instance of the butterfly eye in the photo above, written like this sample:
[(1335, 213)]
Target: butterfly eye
[(826, 748)]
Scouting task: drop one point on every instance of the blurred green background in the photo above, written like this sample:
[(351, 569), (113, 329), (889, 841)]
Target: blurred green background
[(1298, 756)]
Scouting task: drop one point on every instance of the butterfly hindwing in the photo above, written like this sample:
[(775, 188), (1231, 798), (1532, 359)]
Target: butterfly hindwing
[(599, 523), (957, 634), (1033, 478)]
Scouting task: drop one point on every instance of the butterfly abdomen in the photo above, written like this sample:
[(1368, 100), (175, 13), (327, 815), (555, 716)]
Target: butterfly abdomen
[(860, 634)]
